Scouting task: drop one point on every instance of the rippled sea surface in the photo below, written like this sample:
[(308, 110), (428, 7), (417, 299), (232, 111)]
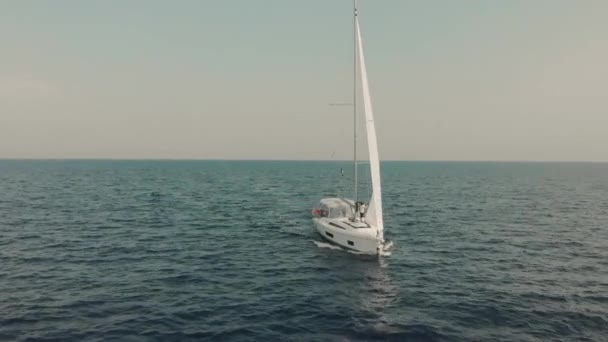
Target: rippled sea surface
[(225, 250)]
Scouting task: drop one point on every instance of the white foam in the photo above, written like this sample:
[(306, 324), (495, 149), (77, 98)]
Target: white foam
[(385, 251), (388, 245)]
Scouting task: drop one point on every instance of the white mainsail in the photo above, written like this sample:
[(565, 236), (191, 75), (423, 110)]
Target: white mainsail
[(374, 211)]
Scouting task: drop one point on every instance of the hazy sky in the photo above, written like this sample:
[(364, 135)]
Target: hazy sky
[(450, 80)]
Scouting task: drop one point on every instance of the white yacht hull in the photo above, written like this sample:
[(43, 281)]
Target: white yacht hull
[(339, 231)]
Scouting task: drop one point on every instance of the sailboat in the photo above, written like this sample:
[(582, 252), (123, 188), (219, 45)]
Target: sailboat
[(353, 223)]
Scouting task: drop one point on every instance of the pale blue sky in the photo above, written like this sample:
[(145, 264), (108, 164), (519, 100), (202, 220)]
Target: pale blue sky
[(451, 80)]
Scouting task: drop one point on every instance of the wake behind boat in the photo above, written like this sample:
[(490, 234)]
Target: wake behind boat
[(354, 224)]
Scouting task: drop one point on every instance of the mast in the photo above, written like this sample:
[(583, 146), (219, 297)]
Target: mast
[(356, 197)]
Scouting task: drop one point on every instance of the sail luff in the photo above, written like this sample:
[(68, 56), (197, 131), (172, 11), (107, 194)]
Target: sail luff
[(374, 212)]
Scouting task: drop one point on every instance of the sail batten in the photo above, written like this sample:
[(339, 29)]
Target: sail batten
[(374, 212)]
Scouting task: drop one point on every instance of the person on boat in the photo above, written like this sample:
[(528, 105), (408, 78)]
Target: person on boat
[(361, 211), (319, 212)]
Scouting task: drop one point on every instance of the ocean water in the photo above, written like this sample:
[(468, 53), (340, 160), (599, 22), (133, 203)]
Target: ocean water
[(226, 251)]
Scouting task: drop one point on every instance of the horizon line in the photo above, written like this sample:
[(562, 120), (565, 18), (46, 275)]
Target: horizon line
[(302, 160)]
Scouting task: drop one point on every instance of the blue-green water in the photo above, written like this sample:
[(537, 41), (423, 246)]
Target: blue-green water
[(225, 250)]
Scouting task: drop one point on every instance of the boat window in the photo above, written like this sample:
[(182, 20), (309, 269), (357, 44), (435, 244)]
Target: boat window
[(329, 234), (351, 243), (337, 212)]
